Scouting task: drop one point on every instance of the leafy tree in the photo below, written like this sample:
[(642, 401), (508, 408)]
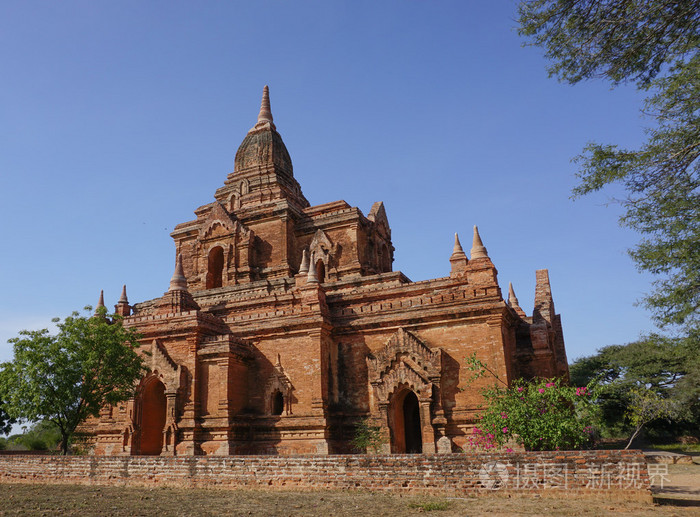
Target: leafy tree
[(42, 436), (668, 367), (653, 44), (646, 406), (67, 377)]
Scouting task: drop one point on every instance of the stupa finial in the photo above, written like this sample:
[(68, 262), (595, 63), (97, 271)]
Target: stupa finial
[(265, 115), (178, 282)]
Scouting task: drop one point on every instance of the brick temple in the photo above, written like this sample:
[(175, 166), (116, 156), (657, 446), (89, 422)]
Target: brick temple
[(285, 325)]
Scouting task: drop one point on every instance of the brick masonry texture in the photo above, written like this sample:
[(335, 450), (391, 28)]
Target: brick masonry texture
[(285, 325), (609, 474)]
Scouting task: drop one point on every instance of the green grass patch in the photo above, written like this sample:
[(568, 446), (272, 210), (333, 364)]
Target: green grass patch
[(429, 506), (678, 447)]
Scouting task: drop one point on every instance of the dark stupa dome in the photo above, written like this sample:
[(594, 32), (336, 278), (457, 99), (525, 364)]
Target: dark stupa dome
[(263, 146)]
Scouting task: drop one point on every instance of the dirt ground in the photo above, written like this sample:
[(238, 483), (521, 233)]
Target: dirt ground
[(73, 500), (681, 484), (681, 487)]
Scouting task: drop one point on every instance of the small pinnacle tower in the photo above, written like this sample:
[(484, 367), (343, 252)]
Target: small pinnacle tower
[(513, 301), (478, 248), (100, 305), (458, 259), (178, 298), (312, 278), (178, 282), (304, 268), (122, 307), (123, 298)]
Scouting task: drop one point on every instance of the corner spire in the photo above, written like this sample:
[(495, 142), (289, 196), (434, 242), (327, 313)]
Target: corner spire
[(123, 298), (457, 251), (458, 259), (512, 299), (265, 115), (178, 282), (304, 268), (478, 248), (122, 307), (100, 303), (544, 303), (312, 278)]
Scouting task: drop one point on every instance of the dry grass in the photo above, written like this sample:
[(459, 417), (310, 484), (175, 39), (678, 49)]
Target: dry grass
[(71, 500)]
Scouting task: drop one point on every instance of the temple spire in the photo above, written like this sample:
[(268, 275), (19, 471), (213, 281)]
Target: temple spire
[(478, 248), (457, 251), (265, 115), (122, 307), (123, 298), (178, 282), (100, 303), (458, 259), (512, 299), (304, 268), (312, 278)]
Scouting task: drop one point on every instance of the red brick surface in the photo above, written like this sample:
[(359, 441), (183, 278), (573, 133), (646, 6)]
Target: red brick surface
[(609, 474)]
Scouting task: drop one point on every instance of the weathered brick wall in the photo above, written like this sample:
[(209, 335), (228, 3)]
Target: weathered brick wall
[(610, 474)]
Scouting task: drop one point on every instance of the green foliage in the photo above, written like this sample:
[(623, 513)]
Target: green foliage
[(668, 367), (617, 40), (654, 44), (368, 437), (5, 421), (541, 415), (42, 436), (67, 377), (646, 406)]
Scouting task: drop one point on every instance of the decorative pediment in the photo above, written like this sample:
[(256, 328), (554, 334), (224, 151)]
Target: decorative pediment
[(377, 214), (217, 223), (321, 245), (404, 360), (162, 365)]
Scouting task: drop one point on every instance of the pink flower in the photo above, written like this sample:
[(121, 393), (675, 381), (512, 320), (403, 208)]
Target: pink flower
[(504, 415), (520, 389), (550, 384), (509, 449), (541, 390), (505, 430)]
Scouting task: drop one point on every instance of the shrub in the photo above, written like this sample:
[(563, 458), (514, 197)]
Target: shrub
[(541, 415)]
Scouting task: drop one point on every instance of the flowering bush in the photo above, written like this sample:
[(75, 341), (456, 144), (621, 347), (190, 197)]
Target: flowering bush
[(541, 415)]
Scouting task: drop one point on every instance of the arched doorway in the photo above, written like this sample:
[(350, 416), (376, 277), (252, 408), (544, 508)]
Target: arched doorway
[(215, 267), (406, 425), (277, 403), (153, 410)]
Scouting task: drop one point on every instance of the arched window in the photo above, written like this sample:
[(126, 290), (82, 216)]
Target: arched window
[(320, 271), (215, 268), (277, 403)]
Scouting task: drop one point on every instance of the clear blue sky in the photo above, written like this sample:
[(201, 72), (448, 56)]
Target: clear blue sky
[(118, 119)]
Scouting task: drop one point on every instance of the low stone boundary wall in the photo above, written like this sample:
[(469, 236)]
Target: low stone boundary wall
[(611, 474)]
